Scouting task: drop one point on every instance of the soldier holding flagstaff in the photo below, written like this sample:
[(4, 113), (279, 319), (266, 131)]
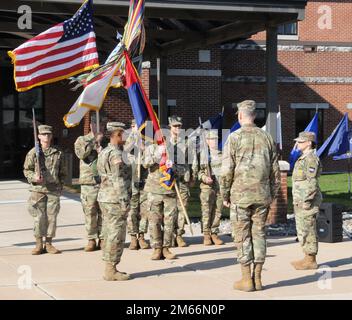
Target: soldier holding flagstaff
[(45, 170)]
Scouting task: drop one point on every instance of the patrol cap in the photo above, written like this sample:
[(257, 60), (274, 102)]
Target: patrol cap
[(305, 136), (211, 135), (246, 105), (175, 120), (112, 126), (45, 129)]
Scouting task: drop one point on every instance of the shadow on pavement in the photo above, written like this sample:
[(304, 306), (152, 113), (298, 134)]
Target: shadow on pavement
[(54, 241)]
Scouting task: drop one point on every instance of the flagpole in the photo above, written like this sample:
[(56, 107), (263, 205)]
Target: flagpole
[(184, 211), (98, 120)]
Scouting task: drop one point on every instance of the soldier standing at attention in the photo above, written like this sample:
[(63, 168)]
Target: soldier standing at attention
[(162, 205), (87, 149), (179, 154), (210, 197), (45, 190), (250, 182), (306, 199), (114, 200), (137, 222)]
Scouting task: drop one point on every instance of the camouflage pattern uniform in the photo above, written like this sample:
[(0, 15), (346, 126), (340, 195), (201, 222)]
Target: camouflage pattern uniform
[(250, 181), (161, 202), (44, 200), (114, 198), (307, 199), (86, 151), (137, 221), (178, 152), (210, 196)]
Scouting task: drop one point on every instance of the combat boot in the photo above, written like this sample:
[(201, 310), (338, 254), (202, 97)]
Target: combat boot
[(156, 254), (142, 243), (181, 242), (100, 244), (207, 239), (257, 276), (111, 274), (91, 246), (307, 263), (134, 243), (246, 283), (38, 246), (168, 254), (216, 240), (49, 247)]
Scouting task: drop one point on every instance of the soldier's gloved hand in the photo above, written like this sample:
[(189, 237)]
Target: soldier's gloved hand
[(139, 185), (227, 204), (208, 180), (38, 179), (99, 149), (99, 137), (307, 206), (169, 164)]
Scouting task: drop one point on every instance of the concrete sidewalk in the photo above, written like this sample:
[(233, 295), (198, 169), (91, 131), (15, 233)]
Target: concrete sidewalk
[(199, 272)]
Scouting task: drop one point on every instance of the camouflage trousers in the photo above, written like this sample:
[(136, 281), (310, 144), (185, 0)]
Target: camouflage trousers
[(249, 233), (306, 226), (137, 220), (44, 208), (162, 219), (92, 213), (212, 206), (115, 223), (181, 220)]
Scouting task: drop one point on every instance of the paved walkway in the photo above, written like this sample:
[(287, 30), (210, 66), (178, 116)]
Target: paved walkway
[(199, 272)]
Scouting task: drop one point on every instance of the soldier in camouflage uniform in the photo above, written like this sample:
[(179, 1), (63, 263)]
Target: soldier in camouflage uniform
[(306, 199), (179, 152), (114, 200), (45, 190), (87, 149), (162, 205), (210, 196), (250, 182), (137, 222)]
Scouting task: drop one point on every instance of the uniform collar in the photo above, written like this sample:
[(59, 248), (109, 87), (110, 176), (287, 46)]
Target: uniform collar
[(304, 155), (249, 125)]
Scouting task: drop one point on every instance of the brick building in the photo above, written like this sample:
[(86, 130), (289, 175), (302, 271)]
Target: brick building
[(314, 65)]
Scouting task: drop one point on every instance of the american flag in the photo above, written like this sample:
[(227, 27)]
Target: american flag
[(62, 51)]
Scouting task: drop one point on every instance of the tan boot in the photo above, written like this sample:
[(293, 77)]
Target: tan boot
[(257, 276), (307, 263), (181, 242), (207, 239), (111, 274), (38, 246), (156, 254), (100, 245), (246, 283), (91, 246), (142, 243), (49, 247), (134, 243), (168, 254), (216, 240)]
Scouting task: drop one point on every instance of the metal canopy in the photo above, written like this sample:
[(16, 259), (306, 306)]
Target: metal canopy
[(172, 26)]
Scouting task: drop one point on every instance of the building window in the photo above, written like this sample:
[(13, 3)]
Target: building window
[(288, 29), (170, 104), (204, 56), (16, 129), (304, 116)]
